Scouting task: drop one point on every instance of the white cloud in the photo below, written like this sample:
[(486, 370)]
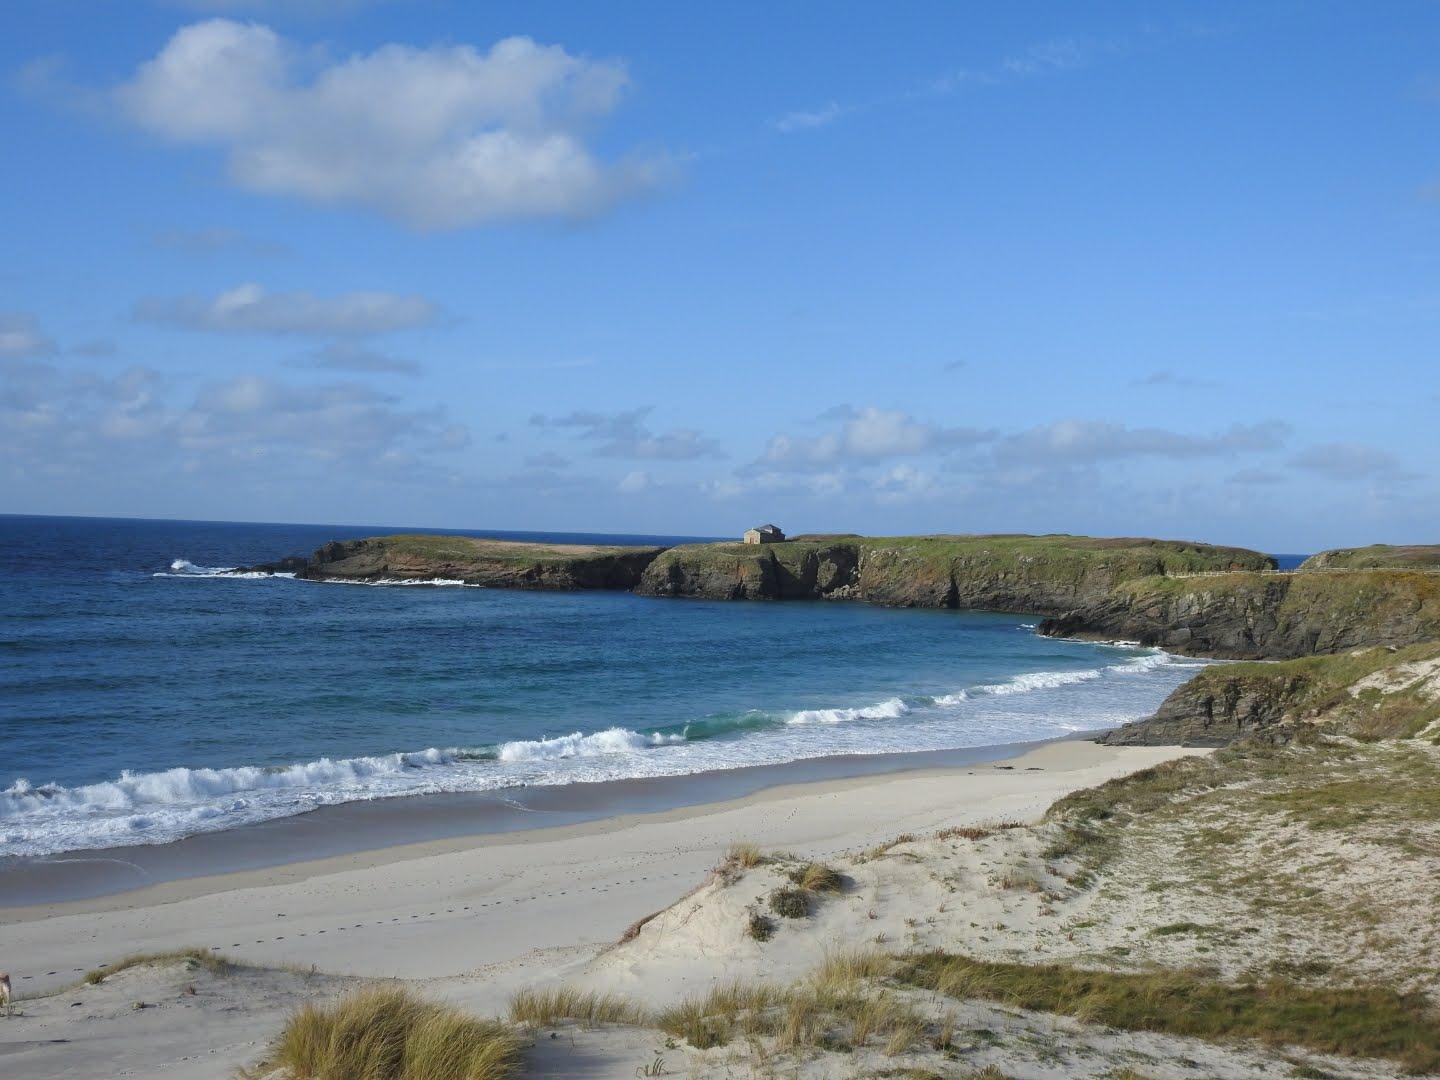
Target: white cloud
[(348, 356), (866, 435), (1347, 461), (21, 336), (443, 137), (250, 309), (83, 425), (803, 119), (1077, 442), (632, 483), (624, 435)]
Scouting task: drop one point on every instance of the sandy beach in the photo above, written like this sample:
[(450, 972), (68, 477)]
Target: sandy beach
[(471, 918)]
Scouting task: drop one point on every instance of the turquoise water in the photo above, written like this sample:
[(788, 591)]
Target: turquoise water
[(145, 695)]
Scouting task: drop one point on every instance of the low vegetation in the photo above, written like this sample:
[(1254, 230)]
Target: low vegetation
[(194, 956), (817, 878), (819, 1015), (548, 1007), (790, 903), (1355, 1022), (391, 1033)]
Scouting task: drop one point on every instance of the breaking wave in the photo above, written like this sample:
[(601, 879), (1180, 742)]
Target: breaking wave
[(184, 568), (161, 806)]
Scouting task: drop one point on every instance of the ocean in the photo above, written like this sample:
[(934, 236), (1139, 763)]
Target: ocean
[(148, 694)]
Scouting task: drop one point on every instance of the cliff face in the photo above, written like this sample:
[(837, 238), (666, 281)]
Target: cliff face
[(1032, 574), (1377, 556), (1369, 693), (496, 563), (1248, 616)]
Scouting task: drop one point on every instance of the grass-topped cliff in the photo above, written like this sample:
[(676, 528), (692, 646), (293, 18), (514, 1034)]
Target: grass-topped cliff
[(1377, 557), (1031, 574), (1365, 694), (497, 563), (1254, 616)]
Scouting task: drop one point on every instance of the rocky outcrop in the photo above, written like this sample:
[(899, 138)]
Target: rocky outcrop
[(1368, 693), (1037, 575), (794, 570), (1218, 707), (496, 563), (1377, 556), (1263, 616)]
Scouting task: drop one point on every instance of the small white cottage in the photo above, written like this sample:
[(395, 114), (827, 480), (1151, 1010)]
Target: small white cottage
[(764, 534)]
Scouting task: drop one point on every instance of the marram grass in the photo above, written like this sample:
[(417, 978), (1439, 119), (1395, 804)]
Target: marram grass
[(388, 1033)]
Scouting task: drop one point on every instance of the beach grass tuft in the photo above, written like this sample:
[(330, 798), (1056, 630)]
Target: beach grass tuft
[(390, 1032), (547, 1007), (744, 855), (817, 877)]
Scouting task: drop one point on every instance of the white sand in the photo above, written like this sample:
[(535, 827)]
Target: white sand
[(523, 907)]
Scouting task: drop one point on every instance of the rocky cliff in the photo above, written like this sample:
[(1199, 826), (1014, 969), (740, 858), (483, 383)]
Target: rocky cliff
[(1038, 575), (1377, 556), (496, 563), (1251, 616), (1369, 693)]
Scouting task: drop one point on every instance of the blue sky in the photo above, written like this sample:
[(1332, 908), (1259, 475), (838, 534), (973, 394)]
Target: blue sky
[(1164, 269)]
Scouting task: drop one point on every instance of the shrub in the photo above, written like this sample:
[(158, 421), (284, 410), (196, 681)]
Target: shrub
[(790, 903), (760, 926)]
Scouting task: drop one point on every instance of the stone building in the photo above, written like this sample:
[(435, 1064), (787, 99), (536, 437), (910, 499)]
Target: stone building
[(764, 534)]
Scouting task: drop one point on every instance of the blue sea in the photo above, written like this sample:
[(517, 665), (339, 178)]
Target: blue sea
[(147, 693)]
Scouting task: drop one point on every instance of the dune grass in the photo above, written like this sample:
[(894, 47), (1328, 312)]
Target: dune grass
[(817, 877), (833, 1010), (547, 1007), (744, 855), (213, 962), (842, 971), (389, 1033), (1352, 1021)]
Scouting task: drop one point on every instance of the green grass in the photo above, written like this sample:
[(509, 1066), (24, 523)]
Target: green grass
[(387, 1033), (1355, 1022), (1411, 556)]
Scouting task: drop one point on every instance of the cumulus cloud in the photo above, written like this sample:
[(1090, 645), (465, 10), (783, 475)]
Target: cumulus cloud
[(58, 422), (21, 336), (624, 434), (440, 137), (348, 356), (250, 309), (1347, 461), (1085, 442), (865, 435)]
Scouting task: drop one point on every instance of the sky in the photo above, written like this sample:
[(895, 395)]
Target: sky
[(1160, 269)]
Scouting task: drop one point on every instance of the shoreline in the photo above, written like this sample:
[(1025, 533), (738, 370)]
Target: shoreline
[(516, 903), (367, 830)]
